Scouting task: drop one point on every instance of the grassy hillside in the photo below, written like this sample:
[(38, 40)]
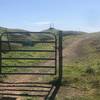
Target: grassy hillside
[(81, 60), (65, 33), (81, 68), (3, 29)]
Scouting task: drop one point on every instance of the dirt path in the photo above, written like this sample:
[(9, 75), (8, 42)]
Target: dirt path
[(73, 50)]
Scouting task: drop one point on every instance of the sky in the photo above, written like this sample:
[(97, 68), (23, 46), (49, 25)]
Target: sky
[(36, 15)]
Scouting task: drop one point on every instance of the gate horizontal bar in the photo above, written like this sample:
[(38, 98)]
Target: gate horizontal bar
[(28, 58), (28, 95), (32, 32), (40, 83), (36, 86), (29, 66), (31, 41), (24, 90), (28, 50), (4, 73)]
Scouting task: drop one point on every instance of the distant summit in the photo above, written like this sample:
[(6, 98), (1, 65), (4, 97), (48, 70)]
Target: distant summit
[(12, 30), (3, 29), (54, 30), (73, 32), (51, 29)]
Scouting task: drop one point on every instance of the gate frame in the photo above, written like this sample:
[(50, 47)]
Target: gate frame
[(59, 48)]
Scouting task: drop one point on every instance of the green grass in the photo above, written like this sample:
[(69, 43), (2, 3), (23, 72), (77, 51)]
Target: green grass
[(26, 55), (82, 73), (82, 98)]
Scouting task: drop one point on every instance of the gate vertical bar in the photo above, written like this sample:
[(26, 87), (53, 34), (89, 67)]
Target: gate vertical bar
[(0, 56), (55, 54), (60, 56)]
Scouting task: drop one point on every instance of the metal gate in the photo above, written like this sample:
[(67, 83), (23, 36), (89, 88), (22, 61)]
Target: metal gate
[(53, 69)]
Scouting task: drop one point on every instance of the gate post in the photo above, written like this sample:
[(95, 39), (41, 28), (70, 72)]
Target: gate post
[(60, 56)]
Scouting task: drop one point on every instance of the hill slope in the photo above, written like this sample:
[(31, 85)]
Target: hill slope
[(81, 68), (3, 29), (81, 55), (54, 30)]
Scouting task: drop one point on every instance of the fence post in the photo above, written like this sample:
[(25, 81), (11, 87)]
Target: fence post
[(60, 56)]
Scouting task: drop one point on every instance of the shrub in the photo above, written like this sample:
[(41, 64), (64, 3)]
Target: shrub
[(90, 70)]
